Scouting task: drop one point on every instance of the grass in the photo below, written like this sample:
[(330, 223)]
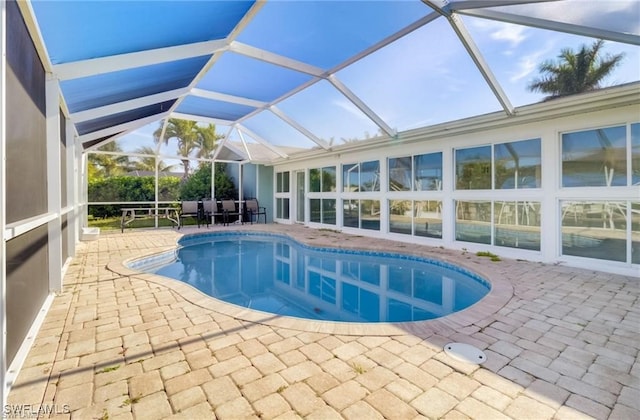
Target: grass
[(130, 401), (109, 369), (113, 223), (492, 256), (358, 368)]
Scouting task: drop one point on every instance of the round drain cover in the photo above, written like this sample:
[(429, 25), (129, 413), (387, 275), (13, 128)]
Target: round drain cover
[(465, 353)]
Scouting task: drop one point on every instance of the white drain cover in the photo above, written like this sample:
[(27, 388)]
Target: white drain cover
[(465, 353)]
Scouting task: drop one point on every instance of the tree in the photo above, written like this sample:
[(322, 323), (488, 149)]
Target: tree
[(575, 72), (192, 140), (198, 186), (148, 163), (107, 165)]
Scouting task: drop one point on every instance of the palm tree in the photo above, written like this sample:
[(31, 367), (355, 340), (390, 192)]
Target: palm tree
[(148, 163), (575, 72), (207, 140), (107, 165), (191, 139)]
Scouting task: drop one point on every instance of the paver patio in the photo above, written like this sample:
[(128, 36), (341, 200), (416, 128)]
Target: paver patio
[(562, 343)]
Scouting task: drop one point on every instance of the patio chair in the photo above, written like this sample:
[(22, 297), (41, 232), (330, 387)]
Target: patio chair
[(253, 209), (229, 209), (190, 209), (210, 210)]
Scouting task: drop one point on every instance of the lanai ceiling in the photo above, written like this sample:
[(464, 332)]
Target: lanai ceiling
[(300, 75)]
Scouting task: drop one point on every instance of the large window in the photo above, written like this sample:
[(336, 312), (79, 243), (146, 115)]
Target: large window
[(595, 229), (322, 179), (419, 218), (473, 168), (516, 224), (359, 177), (473, 221), (323, 210), (417, 173), (517, 164), (595, 158), (363, 214), (514, 165)]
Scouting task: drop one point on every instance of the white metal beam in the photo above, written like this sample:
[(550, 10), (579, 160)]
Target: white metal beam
[(276, 59), (475, 4), (4, 389), (95, 66), (54, 189), (262, 141), (216, 96), (554, 26), (284, 117), (478, 59), (117, 129), (361, 106), (199, 118), (136, 103), (244, 144)]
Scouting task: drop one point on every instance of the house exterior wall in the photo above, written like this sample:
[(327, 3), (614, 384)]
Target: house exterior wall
[(553, 205)]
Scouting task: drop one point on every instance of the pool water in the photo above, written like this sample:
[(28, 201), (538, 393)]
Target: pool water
[(275, 274)]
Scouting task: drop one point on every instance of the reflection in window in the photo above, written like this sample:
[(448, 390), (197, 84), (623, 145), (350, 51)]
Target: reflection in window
[(635, 154), (314, 180), (322, 180), (473, 168), (517, 224), (350, 177), (282, 208), (428, 218), (364, 176), (282, 182), (370, 214), (329, 179), (351, 213), (329, 211), (473, 221), (595, 229), (595, 158), (400, 216), (322, 211), (635, 233), (400, 174), (314, 209), (370, 176), (517, 164), (428, 172)]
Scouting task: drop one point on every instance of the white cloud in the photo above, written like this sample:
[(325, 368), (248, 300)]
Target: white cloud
[(529, 63), (512, 34)]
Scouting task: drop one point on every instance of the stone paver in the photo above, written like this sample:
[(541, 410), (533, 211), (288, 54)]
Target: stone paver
[(563, 343)]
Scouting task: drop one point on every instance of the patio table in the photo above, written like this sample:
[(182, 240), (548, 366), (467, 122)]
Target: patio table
[(130, 214)]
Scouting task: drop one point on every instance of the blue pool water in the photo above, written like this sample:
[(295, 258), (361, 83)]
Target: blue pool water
[(275, 274)]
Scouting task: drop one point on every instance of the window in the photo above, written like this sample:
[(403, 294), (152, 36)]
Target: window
[(595, 158), (517, 164), (419, 218), (363, 214), (322, 179), (400, 174), (282, 208), (473, 168), (473, 221), (635, 154), (323, 210), (427, 172), (516, 224), (282, 182), (364, 176), (595, 229)]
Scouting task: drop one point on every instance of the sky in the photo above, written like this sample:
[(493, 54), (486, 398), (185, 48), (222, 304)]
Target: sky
[(423, 78)]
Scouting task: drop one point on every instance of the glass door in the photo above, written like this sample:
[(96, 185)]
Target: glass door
[(300, 201)]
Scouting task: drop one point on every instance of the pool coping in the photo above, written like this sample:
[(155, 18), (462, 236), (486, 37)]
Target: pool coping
[(500, 293)]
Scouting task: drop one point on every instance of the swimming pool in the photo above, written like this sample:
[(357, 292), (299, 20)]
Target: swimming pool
[(273, 273)]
